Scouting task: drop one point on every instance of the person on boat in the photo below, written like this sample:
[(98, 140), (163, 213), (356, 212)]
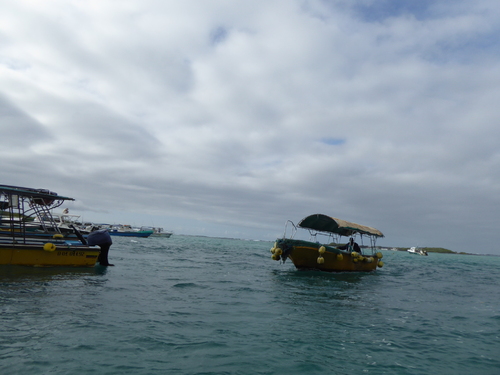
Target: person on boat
[(102, 239), (351, 245)]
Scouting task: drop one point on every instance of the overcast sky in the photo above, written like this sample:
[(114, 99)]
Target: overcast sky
[(228, 118)]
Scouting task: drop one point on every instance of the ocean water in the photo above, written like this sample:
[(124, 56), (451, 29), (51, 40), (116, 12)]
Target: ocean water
[(194, 305)]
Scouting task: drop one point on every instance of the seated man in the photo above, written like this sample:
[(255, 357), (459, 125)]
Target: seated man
[(351, 246)]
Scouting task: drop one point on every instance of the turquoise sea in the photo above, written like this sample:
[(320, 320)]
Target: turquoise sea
[(195, 305)]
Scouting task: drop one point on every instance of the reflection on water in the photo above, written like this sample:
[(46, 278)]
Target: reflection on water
[(310, 291), (12, 274), (314, 278)]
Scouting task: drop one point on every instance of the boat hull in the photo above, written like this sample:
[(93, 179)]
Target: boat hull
[(304, 255), (36, 256)]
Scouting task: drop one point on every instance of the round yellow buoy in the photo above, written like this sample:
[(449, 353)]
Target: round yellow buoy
[(49, 246), (380, 264), (275, 257), (355, 254), (355, 260), (379, 255), (369, 260), (361, 258), (278, 251), (321, 250), (57, 236), (273, 249), (340, 257), (321, 260)]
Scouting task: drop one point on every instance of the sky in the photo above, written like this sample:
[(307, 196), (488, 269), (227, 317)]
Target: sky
[(228, 118)]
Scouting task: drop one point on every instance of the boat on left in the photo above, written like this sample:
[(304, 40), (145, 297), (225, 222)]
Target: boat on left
[(29, 235)]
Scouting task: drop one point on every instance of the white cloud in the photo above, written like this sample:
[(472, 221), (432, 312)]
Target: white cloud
[(245, 114)]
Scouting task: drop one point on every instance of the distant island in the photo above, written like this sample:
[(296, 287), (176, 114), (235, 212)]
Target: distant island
[(428, 249), (441, 250)]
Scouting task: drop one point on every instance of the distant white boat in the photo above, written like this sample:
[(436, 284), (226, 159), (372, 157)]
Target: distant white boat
[(417, 251), (63, 222), (159, 232)]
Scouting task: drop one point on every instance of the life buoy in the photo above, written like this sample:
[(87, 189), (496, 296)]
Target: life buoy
[(49, 246)]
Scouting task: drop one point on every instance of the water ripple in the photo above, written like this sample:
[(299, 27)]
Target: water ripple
[(191, 305)]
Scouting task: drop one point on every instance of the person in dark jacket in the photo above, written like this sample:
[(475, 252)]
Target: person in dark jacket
[(352, 246), (102, 239)]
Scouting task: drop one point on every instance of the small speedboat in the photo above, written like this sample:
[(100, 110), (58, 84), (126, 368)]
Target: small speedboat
[(159, 232), (417, 251)]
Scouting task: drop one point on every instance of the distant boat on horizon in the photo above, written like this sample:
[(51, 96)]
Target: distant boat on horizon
[(126, 230), (417, 251), (159, 232)]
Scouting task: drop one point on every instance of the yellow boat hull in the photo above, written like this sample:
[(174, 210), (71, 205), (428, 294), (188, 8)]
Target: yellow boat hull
[(304, 257), (310, 255), (35, 255)]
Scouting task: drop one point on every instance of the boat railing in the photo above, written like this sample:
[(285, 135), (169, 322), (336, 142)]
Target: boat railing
[(332, 238), (22, 205), (293, 229)]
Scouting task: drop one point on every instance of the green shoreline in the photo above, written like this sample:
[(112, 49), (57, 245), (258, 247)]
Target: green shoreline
[(429, 250)]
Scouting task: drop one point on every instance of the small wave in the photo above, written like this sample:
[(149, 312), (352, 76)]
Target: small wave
[(459, 318), (187, 285)]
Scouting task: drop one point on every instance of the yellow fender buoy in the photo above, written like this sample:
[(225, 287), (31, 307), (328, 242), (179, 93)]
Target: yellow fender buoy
[(322, 250), (340, 257), (275, 257), (379, 255), (278, 251), (355, 254), (57, 236), (273, 249), (49, 246), (355, 260), (380, 264), (321, 260)]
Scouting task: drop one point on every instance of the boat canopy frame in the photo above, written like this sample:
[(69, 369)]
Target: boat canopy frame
[(20, 205), (333, 228)]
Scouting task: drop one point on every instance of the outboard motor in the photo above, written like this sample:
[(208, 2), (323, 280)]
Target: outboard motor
[(102, 239)]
